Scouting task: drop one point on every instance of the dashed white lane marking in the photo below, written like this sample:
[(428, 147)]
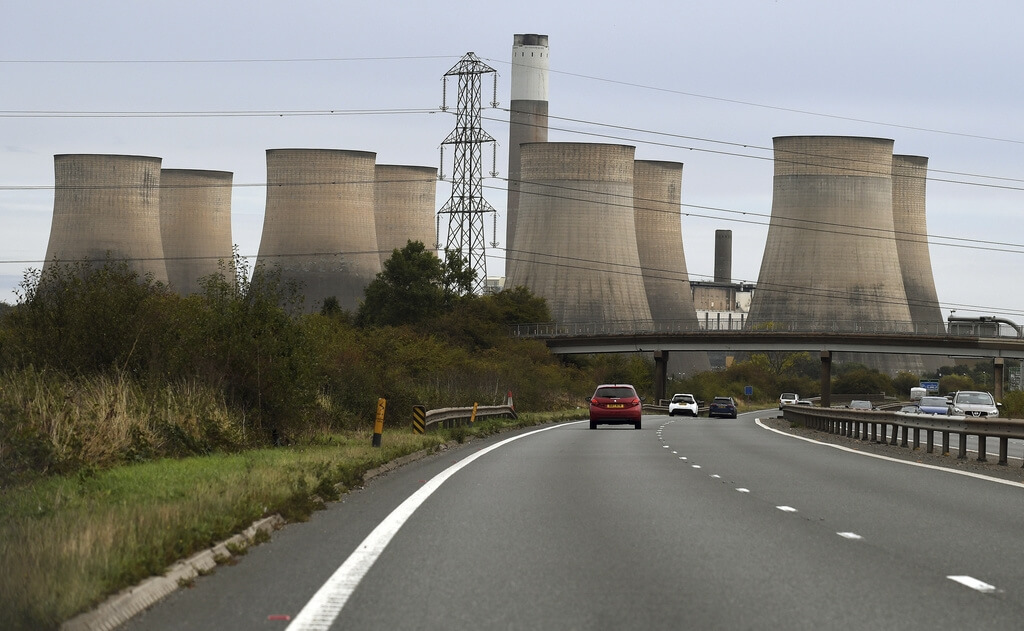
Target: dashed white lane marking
[(786, 509), (675, 452), (665, 446), (973, 583), (682, 457), (325, 605), (743, 490), (695, 466), (849, 535), (716, 476)]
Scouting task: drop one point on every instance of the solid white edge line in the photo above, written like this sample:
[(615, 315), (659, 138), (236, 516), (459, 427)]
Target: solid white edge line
[(973, 583), (969, 474), (325, 605)]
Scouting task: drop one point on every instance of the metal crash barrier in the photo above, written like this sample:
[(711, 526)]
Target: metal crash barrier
[(905, 430), (452, 417)]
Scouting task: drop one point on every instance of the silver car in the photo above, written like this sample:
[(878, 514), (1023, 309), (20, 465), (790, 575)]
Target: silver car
[(974, 403)]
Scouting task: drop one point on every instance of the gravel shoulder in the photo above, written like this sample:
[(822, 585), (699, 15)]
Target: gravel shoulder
[(1014, 471)]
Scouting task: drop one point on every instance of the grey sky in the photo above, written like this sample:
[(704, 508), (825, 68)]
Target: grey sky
[(938, 77)]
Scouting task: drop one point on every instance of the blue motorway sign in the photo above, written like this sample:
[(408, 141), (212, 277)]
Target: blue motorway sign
[(931, 386)]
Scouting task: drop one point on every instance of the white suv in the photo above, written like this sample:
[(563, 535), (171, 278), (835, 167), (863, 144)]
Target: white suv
[(788, 398), (682, 404)]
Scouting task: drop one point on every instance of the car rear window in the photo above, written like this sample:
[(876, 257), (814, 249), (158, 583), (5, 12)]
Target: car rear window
[(682, 398), (933, 401), (723, 400), (617, 392)]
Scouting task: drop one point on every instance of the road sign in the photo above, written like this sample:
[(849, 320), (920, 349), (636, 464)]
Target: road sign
[(931, 386), (748, 390)]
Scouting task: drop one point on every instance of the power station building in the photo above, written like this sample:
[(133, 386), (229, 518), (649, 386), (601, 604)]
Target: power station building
[(831, 258), (195, 226), (319, 227), (657, 190), (528, 122), (107, 206), (576, 232), (404, 200)]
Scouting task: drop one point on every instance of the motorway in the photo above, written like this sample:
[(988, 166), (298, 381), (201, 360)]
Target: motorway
[(687, 523)]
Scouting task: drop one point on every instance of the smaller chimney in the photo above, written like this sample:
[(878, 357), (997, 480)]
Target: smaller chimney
[(723, 256)]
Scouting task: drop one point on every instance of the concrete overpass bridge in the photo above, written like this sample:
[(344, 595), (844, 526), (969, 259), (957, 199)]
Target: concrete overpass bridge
[(662, 338)]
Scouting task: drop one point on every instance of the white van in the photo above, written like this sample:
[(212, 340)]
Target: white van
[(917, 393)]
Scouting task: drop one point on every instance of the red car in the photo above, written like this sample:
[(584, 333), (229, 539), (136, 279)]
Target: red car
[(615, 404)]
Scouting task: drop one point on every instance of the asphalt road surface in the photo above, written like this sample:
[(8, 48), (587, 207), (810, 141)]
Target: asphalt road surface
[(686, 524)]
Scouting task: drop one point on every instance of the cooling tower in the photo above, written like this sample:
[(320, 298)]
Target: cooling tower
[(723, 256), (830, 259), (405, 198), (319, 225), (909, 174), (528, 122), (576, 232), (195, 226), (659, 239), (107, 205)]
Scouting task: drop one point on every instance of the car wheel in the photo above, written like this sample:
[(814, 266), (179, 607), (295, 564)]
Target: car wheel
[(593, 425), (734, 415), (636, 425), (672, 413)]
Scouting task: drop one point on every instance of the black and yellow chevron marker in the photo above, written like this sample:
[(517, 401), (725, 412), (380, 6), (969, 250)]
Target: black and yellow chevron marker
[(419, 419)]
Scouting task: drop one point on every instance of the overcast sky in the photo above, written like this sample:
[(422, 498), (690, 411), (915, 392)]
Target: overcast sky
[(708, 84)]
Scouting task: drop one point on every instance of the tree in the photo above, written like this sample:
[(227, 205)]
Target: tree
[(415, 286)]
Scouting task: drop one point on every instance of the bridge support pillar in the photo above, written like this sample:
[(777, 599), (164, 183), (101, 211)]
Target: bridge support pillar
[(997, 377), (826, 379), (660, 375)]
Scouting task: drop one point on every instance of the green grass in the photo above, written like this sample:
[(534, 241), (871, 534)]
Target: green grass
[(67, 542)]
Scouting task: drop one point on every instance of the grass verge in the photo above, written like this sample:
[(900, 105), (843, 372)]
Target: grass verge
[(67, 542)]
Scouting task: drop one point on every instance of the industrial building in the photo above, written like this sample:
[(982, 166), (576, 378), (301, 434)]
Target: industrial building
[(657, 188), (528, 122), (830, 258), (195, 226), (909, 175), (576, 233), (319, 227), (107, 206), (404, 199)]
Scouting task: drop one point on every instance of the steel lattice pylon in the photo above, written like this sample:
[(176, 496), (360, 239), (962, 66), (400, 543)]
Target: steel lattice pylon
[(467, 206)]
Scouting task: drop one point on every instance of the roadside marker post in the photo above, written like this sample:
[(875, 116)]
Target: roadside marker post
[(378, 425), (419, 419), (473, 416)]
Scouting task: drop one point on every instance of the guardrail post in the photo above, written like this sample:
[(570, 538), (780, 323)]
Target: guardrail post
[(930, 437), (378, 425), (961, 439), (419, 419), (1004, 447), (945, 443), (982, 456)]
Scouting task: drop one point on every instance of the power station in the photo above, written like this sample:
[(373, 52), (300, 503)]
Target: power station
[(576, 234), (404, 198), (528, 121), (107, 206), (195, 226), (657, 190), (319, 228), (830, 259), (591, 229)]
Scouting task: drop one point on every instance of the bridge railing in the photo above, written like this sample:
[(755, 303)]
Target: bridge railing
[(629, 327), (905, 429)]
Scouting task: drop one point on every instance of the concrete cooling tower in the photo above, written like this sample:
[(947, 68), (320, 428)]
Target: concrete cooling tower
[(195, 226), (107, 205), (319, 226), (528, 121), (909, 174), (830, 259), (405, 200), (659, 237), (577, 235)]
